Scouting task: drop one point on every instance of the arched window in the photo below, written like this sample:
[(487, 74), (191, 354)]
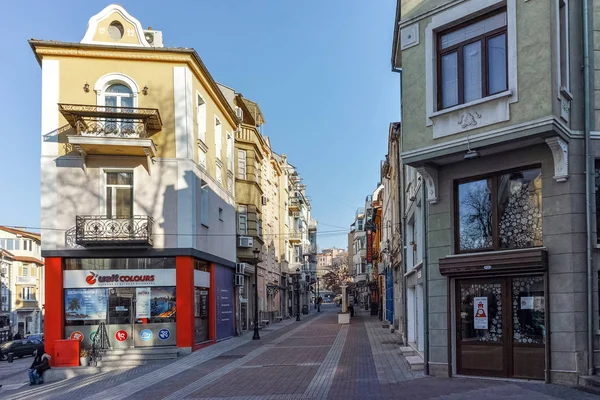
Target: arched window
[(118, 95)]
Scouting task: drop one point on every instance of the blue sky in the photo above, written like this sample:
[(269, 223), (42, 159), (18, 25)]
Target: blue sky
[(320, 71)]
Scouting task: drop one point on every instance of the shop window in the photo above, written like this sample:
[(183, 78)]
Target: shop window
[(472, 61), (85, 306), (200, 265), (503, 211), (75, 264)]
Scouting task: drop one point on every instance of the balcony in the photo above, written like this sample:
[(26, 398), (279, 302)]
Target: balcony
[(294, 204), (112, 130), (312, 225), (295, 237), (102, 231), (309, 250)]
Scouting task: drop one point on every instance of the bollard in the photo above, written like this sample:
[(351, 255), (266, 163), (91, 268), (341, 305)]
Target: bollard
[(10, 357)]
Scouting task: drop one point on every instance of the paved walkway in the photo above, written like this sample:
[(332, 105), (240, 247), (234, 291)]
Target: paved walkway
[(314, 359)]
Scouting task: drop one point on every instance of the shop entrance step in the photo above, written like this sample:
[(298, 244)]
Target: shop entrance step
[(134, 357)]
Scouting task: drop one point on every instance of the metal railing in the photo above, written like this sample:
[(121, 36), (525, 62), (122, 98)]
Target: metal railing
[(99, 344), (112, 122), (100, 230)]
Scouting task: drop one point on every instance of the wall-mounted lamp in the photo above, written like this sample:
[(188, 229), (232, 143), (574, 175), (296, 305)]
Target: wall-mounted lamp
[(145, 90), (86, 87)]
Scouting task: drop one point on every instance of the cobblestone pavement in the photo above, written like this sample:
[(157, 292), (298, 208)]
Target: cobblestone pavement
[(314, 359)]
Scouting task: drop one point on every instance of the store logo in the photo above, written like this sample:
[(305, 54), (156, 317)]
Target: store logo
[(121, 335), (77, 336), (164, 334), (91, 278), (146, 335)]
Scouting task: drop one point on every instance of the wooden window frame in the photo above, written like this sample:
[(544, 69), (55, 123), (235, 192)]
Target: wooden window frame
[(458, 49), (495, 216)]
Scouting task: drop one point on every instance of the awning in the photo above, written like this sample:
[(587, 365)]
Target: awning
[(495, 262)]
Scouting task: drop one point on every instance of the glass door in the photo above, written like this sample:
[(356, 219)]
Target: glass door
[(482, 327)]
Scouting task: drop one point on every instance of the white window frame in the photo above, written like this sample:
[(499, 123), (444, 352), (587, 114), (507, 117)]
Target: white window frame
[(25, 271), (242, 171), (218, 138), (491, 109), (115, 78), (242, 220), (201, 117), (219, 174), (562, 86), (106, 185), (202, 157)]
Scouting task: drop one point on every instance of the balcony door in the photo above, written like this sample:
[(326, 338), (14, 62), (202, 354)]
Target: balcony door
[(119, 195), (118, 95)]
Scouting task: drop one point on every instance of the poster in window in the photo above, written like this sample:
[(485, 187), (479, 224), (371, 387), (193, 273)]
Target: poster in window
[(527, 303), (480, 312), (85, 304), (142, 306), (162, 302)]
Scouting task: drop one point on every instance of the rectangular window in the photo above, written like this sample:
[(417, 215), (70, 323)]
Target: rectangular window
[(229, 152), (243, 220), (563, 20), (204, 204), (220, 214), (597, 186), (201, 117), (241, 172), (119, 194), (472, 61), (25, 271), (230, 183), (218, 138), (503, 211)]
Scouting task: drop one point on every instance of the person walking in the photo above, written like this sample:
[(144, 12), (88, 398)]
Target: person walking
[(40, 364)]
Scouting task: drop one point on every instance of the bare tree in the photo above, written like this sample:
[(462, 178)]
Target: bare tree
[(337, 273)]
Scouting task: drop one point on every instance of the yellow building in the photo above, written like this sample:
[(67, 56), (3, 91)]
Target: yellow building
[(137, 178)]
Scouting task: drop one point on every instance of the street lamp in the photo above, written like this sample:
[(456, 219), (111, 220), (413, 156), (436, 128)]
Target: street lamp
[(318, 296), (297, 294), (256, 335)]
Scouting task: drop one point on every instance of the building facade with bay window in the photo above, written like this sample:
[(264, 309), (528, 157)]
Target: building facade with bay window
[(493, 125), (137, 190)]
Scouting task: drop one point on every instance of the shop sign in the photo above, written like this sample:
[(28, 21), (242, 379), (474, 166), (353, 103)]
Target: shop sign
[(142, 308), (480, 306), (164, 334), (121, 335), (146, 335), (77, 335), (119, 277), (369, 246)]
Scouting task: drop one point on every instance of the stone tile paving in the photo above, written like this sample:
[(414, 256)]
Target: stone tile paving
[(358, 363), (390, 365)]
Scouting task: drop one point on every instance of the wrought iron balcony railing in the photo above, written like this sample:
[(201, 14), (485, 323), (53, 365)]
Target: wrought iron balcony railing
[(112, 122), (98, 230)]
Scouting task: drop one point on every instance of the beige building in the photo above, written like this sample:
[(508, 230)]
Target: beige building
[(327, 258), (21, 282)]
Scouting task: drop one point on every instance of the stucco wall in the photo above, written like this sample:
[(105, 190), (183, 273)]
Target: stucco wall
[(534, 69)]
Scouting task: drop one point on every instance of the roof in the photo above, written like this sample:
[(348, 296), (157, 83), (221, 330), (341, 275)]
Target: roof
[(6, 253), (29, 259), (254, 111), (29, 235)]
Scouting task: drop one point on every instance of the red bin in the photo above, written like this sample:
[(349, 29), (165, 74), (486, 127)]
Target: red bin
[(66, 353)]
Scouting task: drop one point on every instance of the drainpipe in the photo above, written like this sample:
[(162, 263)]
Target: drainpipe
[(588, 184), (402, 251), (424, 206)]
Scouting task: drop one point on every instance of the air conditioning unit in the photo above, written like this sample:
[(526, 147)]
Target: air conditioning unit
[(154, 38), (239, 113), (239, 268), (264, 200), (238, 280), (246, 241)]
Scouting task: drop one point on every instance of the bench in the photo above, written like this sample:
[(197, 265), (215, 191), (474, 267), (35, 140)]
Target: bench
[(278, 318)]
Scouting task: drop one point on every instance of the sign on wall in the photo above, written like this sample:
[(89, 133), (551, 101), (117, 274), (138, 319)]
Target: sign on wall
[(369, 246), (85, 305), (480, 312), (142, 306), (224, 303), (119, 277)]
